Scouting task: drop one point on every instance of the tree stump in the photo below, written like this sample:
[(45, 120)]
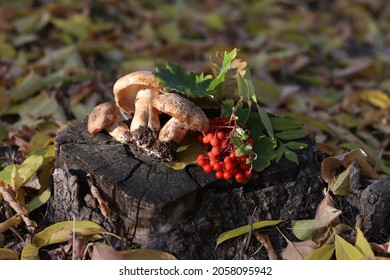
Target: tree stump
[(178, 211)]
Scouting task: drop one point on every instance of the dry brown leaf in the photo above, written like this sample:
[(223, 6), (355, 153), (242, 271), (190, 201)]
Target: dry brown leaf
[(298, 250), (381, 248), (330, 165), (326, 208), (264, 240), (8, 195)]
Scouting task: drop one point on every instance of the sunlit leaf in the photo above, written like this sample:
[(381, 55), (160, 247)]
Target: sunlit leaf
[(173, 78), (226, 64), (341, 185), (330, 165), (362, 243), (376, 98), (245, 230), (325, 252), (345, 250)]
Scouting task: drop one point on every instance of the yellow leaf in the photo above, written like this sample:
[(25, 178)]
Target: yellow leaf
[(341, 185), (59, 232), (362, 243), (376, 98), (8, 254), (245, 230), (30, 252), (345, 250), (102, 251), (325, 252)]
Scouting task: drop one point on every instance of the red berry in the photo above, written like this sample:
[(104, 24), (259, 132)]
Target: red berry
[(207, 168), (202, 162), (215, 150), (227, 175), (248, 174), (214, 141), (220, 135), (219, 174), (244, 166), (200, 138), (239, 177), (224, 143), (251, 141), (201, 156), (218, 166), (228, 166)]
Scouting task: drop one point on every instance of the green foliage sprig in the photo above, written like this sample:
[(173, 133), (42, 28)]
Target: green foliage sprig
[(274, 137)]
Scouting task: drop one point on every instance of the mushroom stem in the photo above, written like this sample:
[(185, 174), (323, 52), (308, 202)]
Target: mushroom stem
[(105, 117), (173, 130), (145, 114), (119, 131)]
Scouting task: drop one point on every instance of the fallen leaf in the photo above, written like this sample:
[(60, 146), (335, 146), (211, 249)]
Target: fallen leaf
[(245, 230), (330, 165), (381, 248), (264, 240), (325, 252), (298, 250), (8, 254), (101, 251), (146, 254), (345, 250), (362, 244)]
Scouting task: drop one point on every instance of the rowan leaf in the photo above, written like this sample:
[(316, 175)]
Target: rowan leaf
[(292, 134), (282, 123), (173, 78)]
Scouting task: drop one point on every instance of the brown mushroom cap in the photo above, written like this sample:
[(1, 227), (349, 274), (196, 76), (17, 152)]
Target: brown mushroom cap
[(101, 117), (182, 109), (126, 88)]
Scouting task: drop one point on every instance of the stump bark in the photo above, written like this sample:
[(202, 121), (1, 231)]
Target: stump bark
[(178, 211)]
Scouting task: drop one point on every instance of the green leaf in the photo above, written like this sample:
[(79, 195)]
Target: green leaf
[(293, 134), (362, 243), (282, 123), (341, 185), (227, 108), (173, 78), (245, 230), (266, 121), (246, 90), (345, 250), (325, 252), (264, 148), (26, 87), (226, 64), (295, 145), (291, 156), (58, 233), (310, 229), (38, 201)]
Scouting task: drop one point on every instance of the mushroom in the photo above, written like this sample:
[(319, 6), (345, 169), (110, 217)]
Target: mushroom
[(105, 117), (134, 93), (185, 116)]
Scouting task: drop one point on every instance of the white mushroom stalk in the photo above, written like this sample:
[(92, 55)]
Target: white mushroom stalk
[(105, 117), (145, 114)]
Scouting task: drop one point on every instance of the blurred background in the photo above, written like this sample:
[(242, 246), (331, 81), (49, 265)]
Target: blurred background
[(324, 63)]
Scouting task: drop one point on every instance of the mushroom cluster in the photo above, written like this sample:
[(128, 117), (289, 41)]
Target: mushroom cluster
[(139, 94)]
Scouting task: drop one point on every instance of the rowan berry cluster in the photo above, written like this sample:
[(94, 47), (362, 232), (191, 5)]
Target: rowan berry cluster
[(223, 157)]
